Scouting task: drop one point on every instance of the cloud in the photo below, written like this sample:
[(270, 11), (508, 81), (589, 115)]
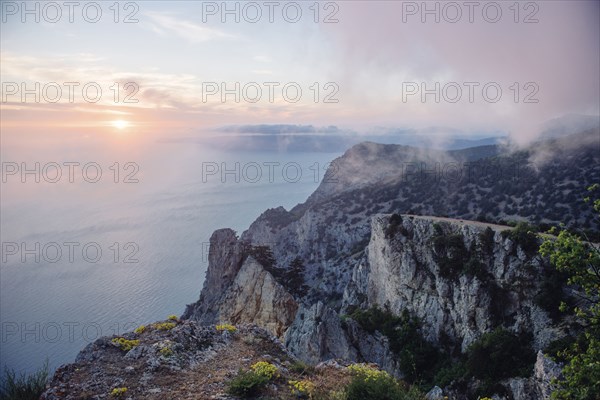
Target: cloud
[(560, 54), (262, 72), (156, 89), (187, 30), (262, 59)]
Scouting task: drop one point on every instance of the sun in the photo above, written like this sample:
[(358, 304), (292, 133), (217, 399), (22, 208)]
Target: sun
[(120, 124)]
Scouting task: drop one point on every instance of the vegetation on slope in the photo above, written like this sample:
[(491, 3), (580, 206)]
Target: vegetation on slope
[(23, 386), (495, 356), (580, 260), (354, 382)]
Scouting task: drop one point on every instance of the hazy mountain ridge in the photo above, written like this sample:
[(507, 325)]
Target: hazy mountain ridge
[(544, 183), (310, 138)]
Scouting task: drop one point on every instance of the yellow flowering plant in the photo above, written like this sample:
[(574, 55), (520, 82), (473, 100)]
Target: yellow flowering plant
[(367, 371), (302, 388), (165, 326), (118, 392), (226, 327), (140, 329), (266, 369), (125, 344)]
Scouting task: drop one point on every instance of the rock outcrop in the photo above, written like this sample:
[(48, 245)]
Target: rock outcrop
[(359, 246), (459, 278), (225, 255), (546, 372), (187, 361), (255, 297), (240, 290), (408, 272)]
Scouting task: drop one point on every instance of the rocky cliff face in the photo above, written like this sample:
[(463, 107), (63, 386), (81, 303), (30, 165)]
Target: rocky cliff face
[(238, 289), (412, 271), (255, 296), (411, 263), (226, 253), (459, 278), (405, 266)]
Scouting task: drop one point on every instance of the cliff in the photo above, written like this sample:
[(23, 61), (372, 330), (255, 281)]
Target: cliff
[(461, 279), (355, 245)]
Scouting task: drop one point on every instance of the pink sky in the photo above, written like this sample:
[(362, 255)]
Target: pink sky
[(373, 50)]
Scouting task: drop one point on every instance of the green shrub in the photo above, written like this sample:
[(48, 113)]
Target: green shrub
[(369, 383), (486, 239), (118, 392), (264, 256), (125, 344), (551, 294), (474, 267), (361, 388), (524, 235), (499, 296), (453, 371), (166, 351), (247, 384), (495, 356), (455, 259), (264, 368), (499, 355), (418, 358), (451, 254), (394, 226), (580, 260), (293, 277), (165, 326), (226, 327), (24, 387), (556, 348), (300, 367), (140, 329), (302, 389)]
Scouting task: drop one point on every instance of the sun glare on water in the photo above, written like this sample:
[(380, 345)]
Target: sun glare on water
[(120, 124)]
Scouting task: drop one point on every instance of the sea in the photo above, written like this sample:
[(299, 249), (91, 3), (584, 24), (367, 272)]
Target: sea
[(98, 239)]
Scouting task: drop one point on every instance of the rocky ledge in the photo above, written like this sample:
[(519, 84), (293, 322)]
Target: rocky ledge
[(178, 359)]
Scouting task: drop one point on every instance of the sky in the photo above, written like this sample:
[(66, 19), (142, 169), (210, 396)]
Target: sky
[(192, 67)]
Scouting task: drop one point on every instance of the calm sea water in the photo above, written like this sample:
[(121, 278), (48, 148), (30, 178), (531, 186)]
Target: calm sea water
[(152, 236)]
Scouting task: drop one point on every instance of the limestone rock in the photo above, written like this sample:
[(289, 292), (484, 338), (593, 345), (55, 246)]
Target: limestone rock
[(255, 296), (435, 393), (545, 371)]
